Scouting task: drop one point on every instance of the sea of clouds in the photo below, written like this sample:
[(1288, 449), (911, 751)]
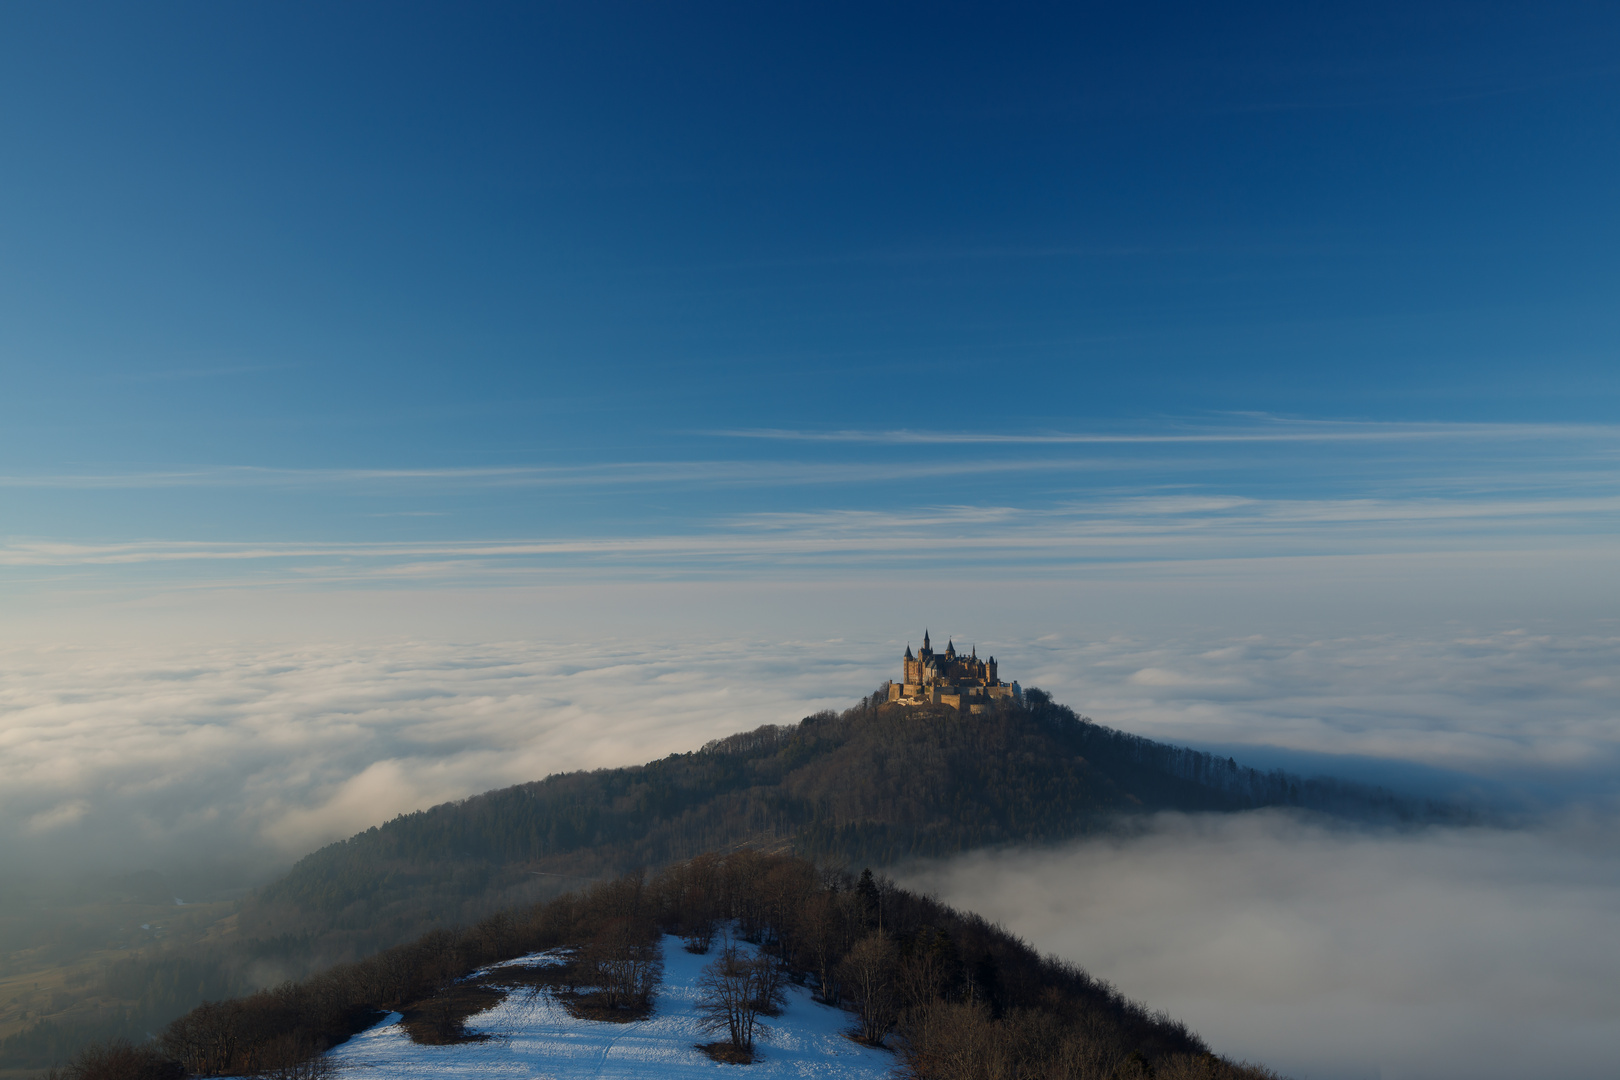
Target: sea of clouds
[(124, 754), (1328, 951), (121, 756)]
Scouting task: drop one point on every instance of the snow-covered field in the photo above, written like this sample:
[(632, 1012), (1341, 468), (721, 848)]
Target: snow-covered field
[(532, 1036)]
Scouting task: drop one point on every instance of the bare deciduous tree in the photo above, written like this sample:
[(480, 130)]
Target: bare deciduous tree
[(868, 977), (698, 935), (288, 1057), (624, 964), (734, 991), (926, 968), (205, 1039), (827, 929), (121, 1059)]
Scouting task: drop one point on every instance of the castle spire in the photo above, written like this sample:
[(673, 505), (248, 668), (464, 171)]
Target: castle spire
[(908, 651), (925, 641)]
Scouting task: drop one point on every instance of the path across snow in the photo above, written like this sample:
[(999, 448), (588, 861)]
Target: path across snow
[(533, 1037)]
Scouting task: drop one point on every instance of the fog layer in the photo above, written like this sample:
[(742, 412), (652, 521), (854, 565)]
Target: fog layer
[(1330, 953), (124, 757)]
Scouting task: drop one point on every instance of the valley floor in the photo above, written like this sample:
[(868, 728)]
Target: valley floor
[(530, 1035)]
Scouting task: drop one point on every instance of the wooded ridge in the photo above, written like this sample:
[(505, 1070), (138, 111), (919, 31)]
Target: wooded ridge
[(872, 786)]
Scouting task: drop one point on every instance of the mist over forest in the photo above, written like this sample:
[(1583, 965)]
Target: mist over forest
[(124, 758), (1339, 952), (1265, 931)]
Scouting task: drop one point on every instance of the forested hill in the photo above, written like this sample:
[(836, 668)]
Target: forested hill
[(872, 786)]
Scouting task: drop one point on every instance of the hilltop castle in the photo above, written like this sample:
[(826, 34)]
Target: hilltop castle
[(962, 682)]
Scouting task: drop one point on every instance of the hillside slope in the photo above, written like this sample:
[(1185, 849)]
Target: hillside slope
[(571, 985), (530, 1034), (872, 786)]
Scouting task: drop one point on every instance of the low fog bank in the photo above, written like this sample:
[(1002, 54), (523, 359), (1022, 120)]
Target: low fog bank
[(118, 758), (1526, 708), (1335, 953)]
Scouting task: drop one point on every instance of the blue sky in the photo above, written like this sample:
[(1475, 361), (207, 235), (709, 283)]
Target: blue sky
[(787, 290)]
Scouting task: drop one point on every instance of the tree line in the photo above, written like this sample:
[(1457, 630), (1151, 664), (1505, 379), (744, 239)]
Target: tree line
[(953, 995)]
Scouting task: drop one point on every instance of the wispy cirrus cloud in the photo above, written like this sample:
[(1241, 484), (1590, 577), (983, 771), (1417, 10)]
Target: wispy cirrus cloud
[(1268, 431), (1157, 527), (1564, 447), (620, 474)]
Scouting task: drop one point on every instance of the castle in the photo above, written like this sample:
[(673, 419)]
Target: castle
[(965, 683)]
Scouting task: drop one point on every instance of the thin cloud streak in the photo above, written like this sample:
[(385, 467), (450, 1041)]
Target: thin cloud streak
[(1161, 527), (706, 473), (1302, 431), (719, 472)]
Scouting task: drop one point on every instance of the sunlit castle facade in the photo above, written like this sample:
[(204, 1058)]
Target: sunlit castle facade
[(961, 682)]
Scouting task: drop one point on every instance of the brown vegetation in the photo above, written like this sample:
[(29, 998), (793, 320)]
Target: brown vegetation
[(120, 1059), (965, 998), (727, 1054), (441, 1019)]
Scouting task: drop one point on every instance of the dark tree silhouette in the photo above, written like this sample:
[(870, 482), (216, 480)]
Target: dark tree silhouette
[(734, 991)]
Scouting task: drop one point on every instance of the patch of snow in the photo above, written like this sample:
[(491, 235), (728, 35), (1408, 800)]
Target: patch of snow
[(532, 1036)]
